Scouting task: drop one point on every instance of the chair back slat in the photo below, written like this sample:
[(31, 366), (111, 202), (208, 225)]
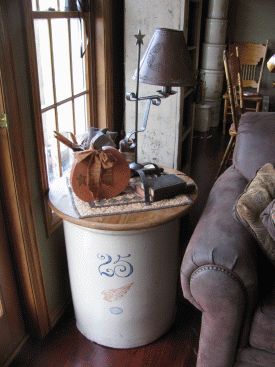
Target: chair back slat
[(252, 58), (251, 53)]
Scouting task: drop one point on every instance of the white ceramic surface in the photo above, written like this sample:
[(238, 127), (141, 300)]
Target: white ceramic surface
[(123, 283), (218, 9), (215, 111), (213, 83), (212, 56), (215, 31), (202, 117)]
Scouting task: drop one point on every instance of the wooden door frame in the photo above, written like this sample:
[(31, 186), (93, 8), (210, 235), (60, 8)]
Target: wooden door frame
[(16, 196)]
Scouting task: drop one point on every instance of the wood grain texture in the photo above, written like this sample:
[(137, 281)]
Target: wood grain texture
[(103, 42), (61, 202), (15, 189), (12, 329), (65, 346)]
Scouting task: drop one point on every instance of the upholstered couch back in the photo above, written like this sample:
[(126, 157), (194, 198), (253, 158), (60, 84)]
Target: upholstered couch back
[(260, 138)]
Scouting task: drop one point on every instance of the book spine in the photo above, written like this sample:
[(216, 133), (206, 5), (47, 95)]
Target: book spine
[(166, 193)]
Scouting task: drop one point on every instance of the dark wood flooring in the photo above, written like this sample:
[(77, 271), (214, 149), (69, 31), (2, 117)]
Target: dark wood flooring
[(65, 346)]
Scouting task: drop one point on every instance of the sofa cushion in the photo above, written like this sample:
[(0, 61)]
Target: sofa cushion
[(255, 143), (256, 197), (268, 218)]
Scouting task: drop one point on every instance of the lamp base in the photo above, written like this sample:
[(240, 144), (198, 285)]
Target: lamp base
[(134, 166), (166, 92)]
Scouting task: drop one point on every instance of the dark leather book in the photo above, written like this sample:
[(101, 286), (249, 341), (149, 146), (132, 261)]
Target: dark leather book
[(164, 187)]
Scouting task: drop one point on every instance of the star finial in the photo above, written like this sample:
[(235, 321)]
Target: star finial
[(139, 38)]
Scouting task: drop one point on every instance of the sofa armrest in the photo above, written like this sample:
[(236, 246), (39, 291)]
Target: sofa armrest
[(219, 273), (223, 303), (219, 239)]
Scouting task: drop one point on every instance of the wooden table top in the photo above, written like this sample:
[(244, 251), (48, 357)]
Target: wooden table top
[(61, 203)]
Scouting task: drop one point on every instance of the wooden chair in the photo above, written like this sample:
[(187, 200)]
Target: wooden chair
[(233, 76), (252, 58)]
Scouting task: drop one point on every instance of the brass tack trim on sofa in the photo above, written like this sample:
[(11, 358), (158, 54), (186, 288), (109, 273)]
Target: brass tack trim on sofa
[(221, 269)]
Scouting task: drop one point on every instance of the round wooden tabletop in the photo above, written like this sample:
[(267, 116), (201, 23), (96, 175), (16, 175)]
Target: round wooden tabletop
[(61, 203)]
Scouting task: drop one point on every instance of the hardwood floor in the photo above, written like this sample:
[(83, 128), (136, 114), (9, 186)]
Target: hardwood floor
[(65, 346)]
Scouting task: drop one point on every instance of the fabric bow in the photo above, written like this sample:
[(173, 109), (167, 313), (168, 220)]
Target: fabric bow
[(99, 168)]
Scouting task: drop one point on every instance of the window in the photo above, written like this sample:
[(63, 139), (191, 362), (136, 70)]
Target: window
[(62, 64), (70, 92), (63, 85)]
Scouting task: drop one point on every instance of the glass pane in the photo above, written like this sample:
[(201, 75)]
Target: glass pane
[(65, 118), (65, 126), (42, 42), (77, 34), (62, 4), (48, 4), (34, 7), (61, 58), (80, 115), (51, 150), (67, 157)]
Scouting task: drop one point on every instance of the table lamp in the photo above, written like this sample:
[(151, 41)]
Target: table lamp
[(166, 63)]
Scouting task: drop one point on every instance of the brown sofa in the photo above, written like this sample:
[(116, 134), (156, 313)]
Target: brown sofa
[(224, 272)]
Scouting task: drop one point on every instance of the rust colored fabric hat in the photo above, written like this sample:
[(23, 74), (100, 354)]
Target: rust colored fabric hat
[(99, 174)]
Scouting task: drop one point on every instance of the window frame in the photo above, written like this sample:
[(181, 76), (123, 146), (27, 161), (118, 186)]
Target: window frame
[(51, 218), (68, 16), (103, 100)]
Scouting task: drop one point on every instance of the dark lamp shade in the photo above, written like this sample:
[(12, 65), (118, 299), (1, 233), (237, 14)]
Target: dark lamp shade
[(166, 61)]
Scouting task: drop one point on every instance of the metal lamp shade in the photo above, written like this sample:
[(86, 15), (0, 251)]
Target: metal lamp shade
[(166, 61)]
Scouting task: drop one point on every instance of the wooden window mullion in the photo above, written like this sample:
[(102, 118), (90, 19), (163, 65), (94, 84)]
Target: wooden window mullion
[(45, 109), (54, 95), (85, 23), (86, 26), (88, 99), (55, 14), (90, 66), (71, 72)]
